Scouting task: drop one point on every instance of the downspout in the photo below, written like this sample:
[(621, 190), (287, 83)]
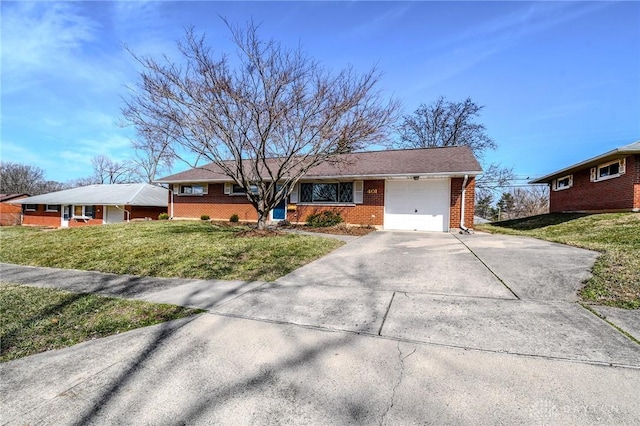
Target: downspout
[(171, 192), (124, 209), (463, 229)]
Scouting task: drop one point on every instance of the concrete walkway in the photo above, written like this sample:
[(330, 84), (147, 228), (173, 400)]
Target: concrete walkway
[(393, 328)]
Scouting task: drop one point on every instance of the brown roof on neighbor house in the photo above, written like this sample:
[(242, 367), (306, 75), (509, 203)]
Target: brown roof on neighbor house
[(632, 148), (7, 197), (449, 161)]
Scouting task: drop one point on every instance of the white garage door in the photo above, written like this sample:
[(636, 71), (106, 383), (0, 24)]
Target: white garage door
[(114, 215), (417, 205)]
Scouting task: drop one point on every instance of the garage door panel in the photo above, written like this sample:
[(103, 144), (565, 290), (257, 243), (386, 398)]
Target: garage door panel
[(421, 205)]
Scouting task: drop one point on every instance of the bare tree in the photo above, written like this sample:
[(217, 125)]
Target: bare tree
[(107, 171), (524, 202), (263, 119), (154, 154), (17, 178), (445, 123)]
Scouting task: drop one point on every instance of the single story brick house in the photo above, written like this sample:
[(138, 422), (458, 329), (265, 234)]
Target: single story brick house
[(10, 214), (431, 189), (94, 205), (605, 183)]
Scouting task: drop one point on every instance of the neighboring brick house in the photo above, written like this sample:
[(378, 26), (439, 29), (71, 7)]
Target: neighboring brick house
[(94, 205), (608, 182), (415, 189), (10, 214)]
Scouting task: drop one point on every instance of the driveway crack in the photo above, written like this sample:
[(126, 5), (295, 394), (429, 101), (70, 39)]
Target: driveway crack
[(487, 266), (401, 358), (384, 318)]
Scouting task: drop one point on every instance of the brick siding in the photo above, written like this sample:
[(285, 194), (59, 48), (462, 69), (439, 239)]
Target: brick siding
[(215, 204), (456, 200), (620, 193), (10, 214), (40, 217), (370, 212)]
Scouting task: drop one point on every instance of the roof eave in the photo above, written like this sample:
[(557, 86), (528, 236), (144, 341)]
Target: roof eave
[(347, 176), (594, 161)]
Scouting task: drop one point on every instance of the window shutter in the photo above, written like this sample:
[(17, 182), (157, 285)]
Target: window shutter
[(176, 187), (205, 188), (293, 197), (593, 174), (358, 191), (554, 185), (227, 188), (571, 180), (621, 168)]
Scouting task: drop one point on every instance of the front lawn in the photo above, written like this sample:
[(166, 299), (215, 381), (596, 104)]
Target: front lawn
[(188, 249), (35, 320), (616, 274)]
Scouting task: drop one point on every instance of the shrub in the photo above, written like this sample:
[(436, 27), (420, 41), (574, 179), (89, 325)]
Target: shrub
[(205, 217), (163, 216), (284, 223), (324, 219), (234, 218)]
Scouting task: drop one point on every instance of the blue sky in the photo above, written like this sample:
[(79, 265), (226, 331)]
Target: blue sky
[(560, 81)]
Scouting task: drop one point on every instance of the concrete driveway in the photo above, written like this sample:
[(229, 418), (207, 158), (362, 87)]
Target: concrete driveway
[(393, 328)]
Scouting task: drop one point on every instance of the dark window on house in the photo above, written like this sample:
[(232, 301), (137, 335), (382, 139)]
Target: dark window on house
[(30, 207), (326, 192), (609, 170), (89, 211), (237, 189), (52, 207), (193, 189)]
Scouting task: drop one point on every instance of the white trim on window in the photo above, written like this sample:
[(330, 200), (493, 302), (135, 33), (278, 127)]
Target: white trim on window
[(52, 208), (562, 183), (606, 171), (30, 207)]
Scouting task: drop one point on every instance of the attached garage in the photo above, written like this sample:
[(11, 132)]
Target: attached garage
[(417, 205)]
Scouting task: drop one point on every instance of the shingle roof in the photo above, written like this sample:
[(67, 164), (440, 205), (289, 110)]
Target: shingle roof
[(133, 194), (8, 197), (449, 161), (632, 148)]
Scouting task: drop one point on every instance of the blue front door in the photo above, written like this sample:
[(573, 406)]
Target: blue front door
[(280, 212)]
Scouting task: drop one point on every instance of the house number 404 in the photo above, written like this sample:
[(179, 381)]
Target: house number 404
[(372, 191)]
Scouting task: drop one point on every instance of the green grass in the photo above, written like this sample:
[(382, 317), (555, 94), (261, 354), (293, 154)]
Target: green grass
[(188, 249), (35, 320), (616, 274)]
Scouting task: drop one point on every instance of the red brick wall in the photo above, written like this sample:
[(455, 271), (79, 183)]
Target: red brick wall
[(10, 213), (40, 217), (220, 206), (142, 212), (456, 200), (215, 204), (370, 212), (620, 193), (97, 220)]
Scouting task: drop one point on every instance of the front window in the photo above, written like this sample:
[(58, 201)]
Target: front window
[(564, 183), (341, 192), (193, 189), (30, 207), (609, 170), (83, 211), (238, 190)]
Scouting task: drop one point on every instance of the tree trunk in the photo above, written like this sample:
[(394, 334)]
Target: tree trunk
[(262, 220)]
